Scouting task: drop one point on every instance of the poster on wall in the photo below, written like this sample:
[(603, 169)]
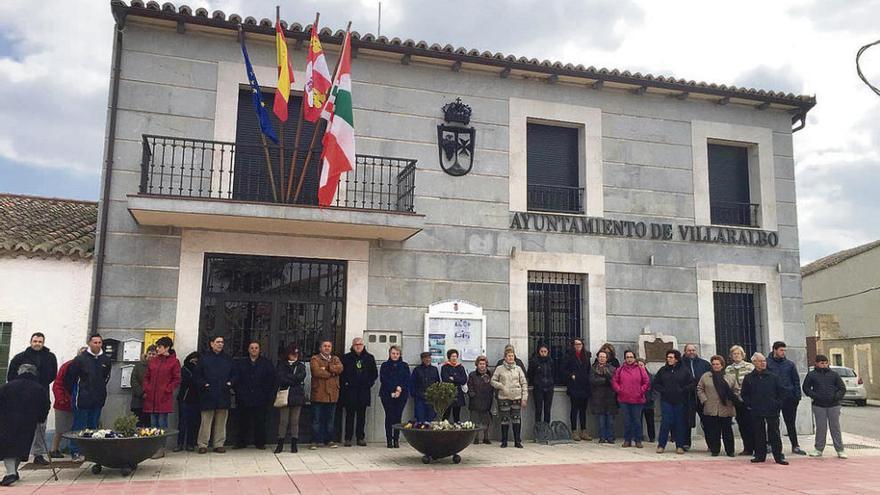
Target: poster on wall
[(455, 324)]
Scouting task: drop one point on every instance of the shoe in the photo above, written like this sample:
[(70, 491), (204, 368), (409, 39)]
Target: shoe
[(40, 460), (610, 441), (177, 448), (651, 439), (626, 444), (639, 445), (190, 448), (686, 448), (347, 443), (78, 458), (782, 462), (518, 445), (396, 443), (679, 451), (815, 453), (280, 447), (715, 454), (586, 436), (503, 444), (487, 441), (841, 454), (313, 446), (756, 460), (361, 442), (260, 447), (23, 459), (220, 450), (9, 479), (56, 454), (660, 450), (391, 444), (731, 454), (746, 452), (294, 448), (798, 451), (332, 445), (575, 435)]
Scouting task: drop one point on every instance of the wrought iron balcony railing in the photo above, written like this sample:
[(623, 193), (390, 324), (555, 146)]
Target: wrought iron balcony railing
[(198, 168), (739, 214), (559, 199)]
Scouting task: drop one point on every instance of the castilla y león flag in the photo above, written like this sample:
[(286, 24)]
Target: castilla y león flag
[(317, 79), (338, 155), (285, 74)]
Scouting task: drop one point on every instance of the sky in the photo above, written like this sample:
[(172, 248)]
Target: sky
[(55, 73)]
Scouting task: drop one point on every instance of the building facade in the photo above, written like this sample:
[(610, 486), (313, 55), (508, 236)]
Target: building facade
[(590, 203), (841, 301)]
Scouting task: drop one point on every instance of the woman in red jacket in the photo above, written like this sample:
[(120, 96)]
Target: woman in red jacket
[(63, 408), (631, 382), (163, 376)]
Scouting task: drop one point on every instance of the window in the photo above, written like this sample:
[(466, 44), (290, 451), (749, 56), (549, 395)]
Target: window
[(5, 336), (552, 163), (738, 317), (837, 359), (555, 313), (251, 180), (729, 190)]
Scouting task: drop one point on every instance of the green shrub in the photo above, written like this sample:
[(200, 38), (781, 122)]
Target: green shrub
[(441, 396), (126, 425)]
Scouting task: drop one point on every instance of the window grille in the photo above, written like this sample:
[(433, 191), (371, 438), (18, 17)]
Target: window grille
[(555, 312), (738, 317)]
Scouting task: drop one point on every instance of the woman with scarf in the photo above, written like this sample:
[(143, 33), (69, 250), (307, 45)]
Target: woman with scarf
[(393, 379), (480, 394), (510, 384), (604, 401), (715, 392), (738, 369), (453, 372)]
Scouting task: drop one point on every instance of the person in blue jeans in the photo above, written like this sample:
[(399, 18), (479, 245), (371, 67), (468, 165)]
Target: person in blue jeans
[(631, 383), (673, 383), (326, 369), (87, 379), (423, 376)]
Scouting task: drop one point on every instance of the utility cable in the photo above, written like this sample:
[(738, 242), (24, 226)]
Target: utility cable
[(859, 68)]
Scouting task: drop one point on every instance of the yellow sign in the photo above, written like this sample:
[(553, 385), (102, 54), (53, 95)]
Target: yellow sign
[(151, 336)]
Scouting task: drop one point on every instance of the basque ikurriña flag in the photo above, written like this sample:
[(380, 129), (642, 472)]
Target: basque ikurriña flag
[(285, 74), (338, 155), (317, 78), (259, 106)]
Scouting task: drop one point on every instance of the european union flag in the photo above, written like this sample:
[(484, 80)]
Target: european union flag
[(259, 106)]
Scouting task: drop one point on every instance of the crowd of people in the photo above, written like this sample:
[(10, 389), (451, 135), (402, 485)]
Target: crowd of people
[(690, 390)]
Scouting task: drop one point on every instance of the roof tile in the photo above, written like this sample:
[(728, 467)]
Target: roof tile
[(34, 226), (837, 258)]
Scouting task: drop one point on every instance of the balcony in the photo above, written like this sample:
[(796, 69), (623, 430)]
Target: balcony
[(738, 214), (193, 183), (555, 199)]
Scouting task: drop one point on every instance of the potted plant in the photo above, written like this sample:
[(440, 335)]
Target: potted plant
[(439, 439), (122, 447)]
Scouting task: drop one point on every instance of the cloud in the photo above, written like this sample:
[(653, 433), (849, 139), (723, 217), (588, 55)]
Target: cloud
[(852, 16), (784, 79)]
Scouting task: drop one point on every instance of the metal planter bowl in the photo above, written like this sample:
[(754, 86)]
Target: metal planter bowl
[(437, 444), (118, 453)]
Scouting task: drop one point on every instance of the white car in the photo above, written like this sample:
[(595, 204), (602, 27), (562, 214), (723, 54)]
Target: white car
[(855, 387)]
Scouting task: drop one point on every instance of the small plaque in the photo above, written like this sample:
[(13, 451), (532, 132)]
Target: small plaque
[(656, 350)]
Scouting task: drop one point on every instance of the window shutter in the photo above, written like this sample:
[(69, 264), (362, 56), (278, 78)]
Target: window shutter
[(552, 155), (251, 179), (728, 174)]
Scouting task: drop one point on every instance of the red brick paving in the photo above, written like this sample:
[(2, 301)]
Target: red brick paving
[(825, 476)]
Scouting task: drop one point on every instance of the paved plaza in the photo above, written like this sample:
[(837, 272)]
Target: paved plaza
[(561, 469)]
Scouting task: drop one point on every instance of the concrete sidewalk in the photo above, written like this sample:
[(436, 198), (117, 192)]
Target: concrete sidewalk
[(310, 471)]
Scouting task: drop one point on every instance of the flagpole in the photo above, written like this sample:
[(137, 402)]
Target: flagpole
[(280, 122), (263, 140), (315, 135), (299, 126)]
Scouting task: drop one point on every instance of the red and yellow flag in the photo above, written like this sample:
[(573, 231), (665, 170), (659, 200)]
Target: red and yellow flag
[(317, 78), (285, 74)]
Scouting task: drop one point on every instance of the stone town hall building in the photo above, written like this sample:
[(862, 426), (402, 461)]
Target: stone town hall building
[(596, 203)]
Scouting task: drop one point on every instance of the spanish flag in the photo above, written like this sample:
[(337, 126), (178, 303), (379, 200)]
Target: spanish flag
[(285, 74)]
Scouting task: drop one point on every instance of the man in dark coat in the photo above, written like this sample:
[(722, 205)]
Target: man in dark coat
[(47, 367), (359, 373), (254, 393), (423, 376), (87, 380), (697, 367), (763, 394), (23, 404), (791, 382), (215, 377)]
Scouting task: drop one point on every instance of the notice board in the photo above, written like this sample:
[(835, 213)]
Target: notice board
[(455, 324)]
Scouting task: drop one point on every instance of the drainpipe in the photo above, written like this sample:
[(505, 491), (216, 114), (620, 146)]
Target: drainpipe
[(119, 11)]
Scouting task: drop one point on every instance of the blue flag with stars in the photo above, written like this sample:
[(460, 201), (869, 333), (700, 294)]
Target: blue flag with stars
[(259, 106)]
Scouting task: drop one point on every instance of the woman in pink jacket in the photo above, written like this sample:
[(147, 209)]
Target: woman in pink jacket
[(630, 381)]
